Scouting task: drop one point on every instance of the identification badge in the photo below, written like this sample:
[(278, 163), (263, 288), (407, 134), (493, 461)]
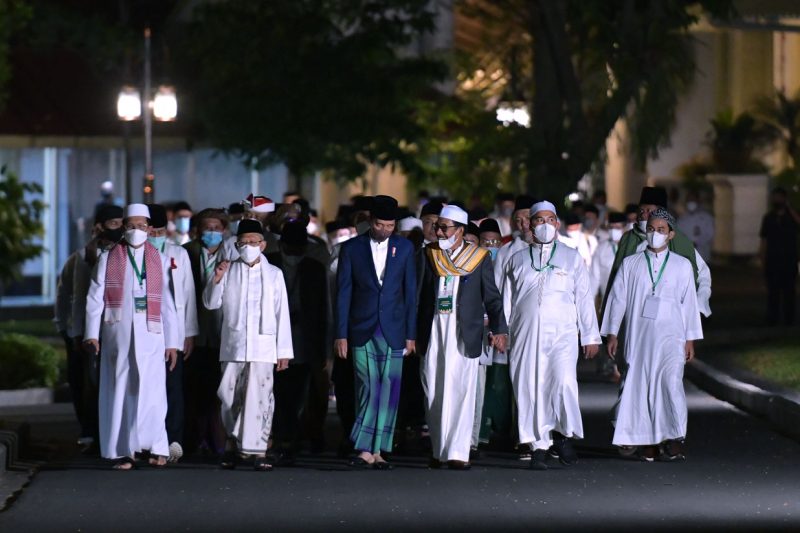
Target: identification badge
[(650, 310), (444, 302), (140, 304)]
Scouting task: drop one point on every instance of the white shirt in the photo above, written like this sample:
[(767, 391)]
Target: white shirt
[(255, 350), (379, 250)]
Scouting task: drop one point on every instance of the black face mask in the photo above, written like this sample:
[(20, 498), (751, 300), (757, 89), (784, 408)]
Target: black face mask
[(113, 235)]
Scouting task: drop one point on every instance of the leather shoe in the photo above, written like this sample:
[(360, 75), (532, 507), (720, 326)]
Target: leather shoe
[(458, 465)]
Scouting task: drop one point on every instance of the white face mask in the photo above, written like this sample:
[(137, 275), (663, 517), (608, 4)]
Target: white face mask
[(312, 228), (629, 226), (544, 233), (249, 253), (446, 244), (615, 234), (135, 237), (691, 206), (339, 239), (656, 240), (575, 234), (643, 225)]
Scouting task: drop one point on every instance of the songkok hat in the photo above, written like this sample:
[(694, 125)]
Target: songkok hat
[(107, 212), (362, 203), (504, 197), (384, 208), (409, 223), (570, 219), (524, 201), (294, 233), (158, 215), (616, 218), (137, 210), (490, 225), (654, 196), (591, 208), (433, 207), (260, 204), (181, 206), (335, 225), (236, 208), (249, 226), (454, 213), (631, 208), (473, 229), (664, 215), (544, 205)]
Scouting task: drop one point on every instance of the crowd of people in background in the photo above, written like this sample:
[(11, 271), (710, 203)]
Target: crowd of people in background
[(227, 331)]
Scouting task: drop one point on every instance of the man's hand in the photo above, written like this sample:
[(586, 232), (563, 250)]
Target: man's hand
[(500, 342), (689, 350), (171, 355), (590, 350), (91, 346), (188, 347), (283, 364), (222, 267), (411, 347), (611, 346), (340, 348)]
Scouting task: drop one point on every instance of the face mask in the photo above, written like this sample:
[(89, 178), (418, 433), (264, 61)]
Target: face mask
[(170, 227), (588, 224), (576, 234), (340, 239), (615, 234), (656, 240), (249, 253), (629, 226), (691, 206), (135, 237), (363, 227), (642, 226), (507, 212), (158, 242), (211, 239), (544, 233), (234, 227), (446, 244), (493, 252), (113, 235), (182, 224), (312, 228)]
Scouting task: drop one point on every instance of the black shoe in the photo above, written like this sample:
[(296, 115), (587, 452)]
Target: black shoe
[(566, 452), (475, 454), (524, 452), (671, 450), (458, 465), (539, 460), (359, 463), (229, 460)]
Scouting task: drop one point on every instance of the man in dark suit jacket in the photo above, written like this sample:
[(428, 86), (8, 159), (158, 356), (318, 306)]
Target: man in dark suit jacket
[(457, 286), (376, 314)]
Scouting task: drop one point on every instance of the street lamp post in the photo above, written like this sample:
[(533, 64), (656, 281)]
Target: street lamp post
[(163, 106)]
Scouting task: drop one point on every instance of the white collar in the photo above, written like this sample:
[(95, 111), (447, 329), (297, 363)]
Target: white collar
[(657, 255)]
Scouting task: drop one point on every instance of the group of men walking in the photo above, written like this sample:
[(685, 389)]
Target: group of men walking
[(222, 341)]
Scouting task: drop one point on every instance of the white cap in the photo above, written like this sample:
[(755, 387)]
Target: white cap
[(107, 186), (454, 213), (137, 210), (409, 223), (543, 206)]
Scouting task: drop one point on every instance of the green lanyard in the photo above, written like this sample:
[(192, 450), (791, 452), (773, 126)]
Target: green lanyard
[(547, 266), (660, 271), (207, 268), (140, 275)]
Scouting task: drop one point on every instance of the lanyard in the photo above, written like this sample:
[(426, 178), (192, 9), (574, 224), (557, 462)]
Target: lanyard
[(547, 266), (660, 271), (207, 267), (140, 275)]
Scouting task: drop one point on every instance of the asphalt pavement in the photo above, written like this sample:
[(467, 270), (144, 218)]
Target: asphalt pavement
[(739, 474)]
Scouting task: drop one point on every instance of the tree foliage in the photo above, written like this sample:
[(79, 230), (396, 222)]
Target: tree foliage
[(20, 219), (14, 14)]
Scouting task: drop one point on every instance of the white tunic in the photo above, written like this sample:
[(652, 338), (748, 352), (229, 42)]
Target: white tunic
[(699, 227), (602, 262), (182, 287), (652, 405), (449, 380), (548, 307), (133, 395)]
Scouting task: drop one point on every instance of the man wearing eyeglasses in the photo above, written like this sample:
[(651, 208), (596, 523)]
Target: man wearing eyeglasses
[(256, 338), (547, 297), (458, 283), (130, 300)]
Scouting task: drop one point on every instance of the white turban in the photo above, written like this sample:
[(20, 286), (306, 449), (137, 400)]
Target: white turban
[(543, 206), (454, 213)]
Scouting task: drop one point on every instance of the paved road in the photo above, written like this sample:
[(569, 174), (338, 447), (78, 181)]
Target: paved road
[(739, 474)]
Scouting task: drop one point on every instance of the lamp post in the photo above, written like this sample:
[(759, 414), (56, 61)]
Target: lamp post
[(163, 106)]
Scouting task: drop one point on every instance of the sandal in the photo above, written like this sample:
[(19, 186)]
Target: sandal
[(262, 464), (124, 463), (229, 460)]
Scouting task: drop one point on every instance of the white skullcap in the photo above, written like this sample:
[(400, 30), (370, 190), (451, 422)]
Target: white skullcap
[(409, 223), (137, 210), (454, 213), (543, 206)]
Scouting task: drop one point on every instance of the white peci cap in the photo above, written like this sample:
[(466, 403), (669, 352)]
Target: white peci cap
[(454, 213), (543, 206), (137, 210), (409, 223)]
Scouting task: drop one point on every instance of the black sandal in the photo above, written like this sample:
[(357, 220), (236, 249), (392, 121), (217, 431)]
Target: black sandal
[(229, 460), (262, 464), (124, 461)]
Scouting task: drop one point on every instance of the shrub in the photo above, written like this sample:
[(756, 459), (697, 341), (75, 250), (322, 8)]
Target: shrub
[(26, 361)]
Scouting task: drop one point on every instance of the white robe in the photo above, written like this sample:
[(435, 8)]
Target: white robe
[(547, 311), (652, 405), (450, 380), (183, 291), (133, 394), (699, 226), (602, 262)]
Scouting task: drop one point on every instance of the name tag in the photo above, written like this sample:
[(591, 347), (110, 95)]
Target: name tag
[(444, 302), (140, 304), (650, 309)]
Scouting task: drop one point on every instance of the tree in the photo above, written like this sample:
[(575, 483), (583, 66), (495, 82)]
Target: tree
[(21, 223), (778, 117), (14, 14), (313, 84)]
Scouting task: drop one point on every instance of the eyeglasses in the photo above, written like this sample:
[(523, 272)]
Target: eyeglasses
[(248, 243), (142, 226), (492, 242), (443, 227)]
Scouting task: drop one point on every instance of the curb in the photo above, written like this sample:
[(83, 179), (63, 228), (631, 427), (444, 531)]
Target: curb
[(782, 411), (15, 473)]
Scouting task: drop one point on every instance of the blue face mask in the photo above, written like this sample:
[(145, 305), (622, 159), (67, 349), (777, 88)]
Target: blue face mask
[(493, 252), (234, 226), (158, 242), (182, 224), (211, 239)]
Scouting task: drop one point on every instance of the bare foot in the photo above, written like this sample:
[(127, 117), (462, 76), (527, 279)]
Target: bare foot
[(158, 460), (378, 458), (125, 463)]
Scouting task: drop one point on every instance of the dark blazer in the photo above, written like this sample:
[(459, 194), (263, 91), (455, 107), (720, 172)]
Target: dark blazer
[(363, 304), (476, 292)]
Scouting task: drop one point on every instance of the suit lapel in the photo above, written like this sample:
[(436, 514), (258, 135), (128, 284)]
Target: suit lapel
[(367, 247)]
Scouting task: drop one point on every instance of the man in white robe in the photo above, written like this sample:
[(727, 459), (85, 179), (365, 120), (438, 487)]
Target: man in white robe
[(129, 298), (256, 338), (654, 296), (547, 299), (521, 219), (603, 258)]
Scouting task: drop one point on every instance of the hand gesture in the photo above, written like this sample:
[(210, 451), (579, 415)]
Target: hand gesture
[(222, 267), (91, 346), (500, 342)]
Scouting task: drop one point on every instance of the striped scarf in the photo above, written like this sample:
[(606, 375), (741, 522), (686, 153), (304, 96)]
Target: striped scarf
[(463, 264), (115, 284)]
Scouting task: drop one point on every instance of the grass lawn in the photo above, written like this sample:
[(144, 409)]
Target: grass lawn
[(777, 361)]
